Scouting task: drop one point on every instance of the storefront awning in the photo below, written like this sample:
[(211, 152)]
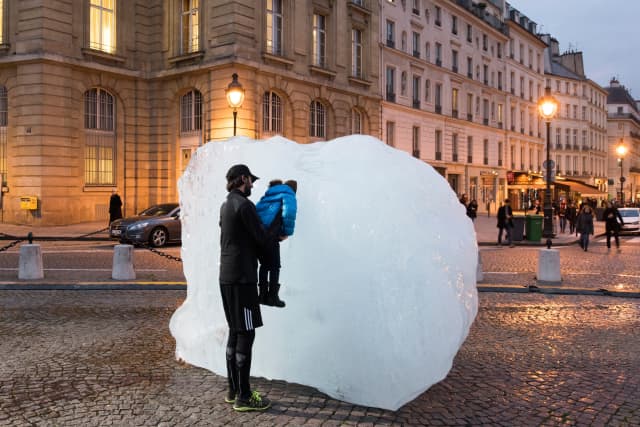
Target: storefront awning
[(582, 188)]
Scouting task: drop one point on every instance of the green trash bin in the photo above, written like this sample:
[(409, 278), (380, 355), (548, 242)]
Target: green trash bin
[(533, 225)]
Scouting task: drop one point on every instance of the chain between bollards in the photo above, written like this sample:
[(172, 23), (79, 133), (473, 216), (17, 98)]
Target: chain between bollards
[(162, 254)]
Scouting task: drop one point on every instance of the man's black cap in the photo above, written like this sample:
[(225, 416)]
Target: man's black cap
[(239, 170)]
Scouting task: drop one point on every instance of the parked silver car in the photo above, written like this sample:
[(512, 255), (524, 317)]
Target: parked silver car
[(156, 226), (631, 218)]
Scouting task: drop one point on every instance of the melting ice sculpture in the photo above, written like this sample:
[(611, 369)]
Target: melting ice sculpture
[(379, 277)]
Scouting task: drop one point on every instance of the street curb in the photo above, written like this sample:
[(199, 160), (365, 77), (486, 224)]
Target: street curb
[(528, 243), (133, 286), (556, 291)]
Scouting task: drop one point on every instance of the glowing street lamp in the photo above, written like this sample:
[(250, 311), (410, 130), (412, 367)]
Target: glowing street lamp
[(548, 107), (235, 96), (621, 150)]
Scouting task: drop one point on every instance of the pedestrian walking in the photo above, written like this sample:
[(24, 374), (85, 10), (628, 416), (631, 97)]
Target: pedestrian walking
[(277, 211), (115, 206), (562, 217), (584, 225), (489, 208), (505, 222), (242, 237), (571, 216), (613, 222), (472, 209), (464, 200)]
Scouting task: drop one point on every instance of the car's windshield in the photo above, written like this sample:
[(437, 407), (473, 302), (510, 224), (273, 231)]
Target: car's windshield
[(629, 213), (158, 210)]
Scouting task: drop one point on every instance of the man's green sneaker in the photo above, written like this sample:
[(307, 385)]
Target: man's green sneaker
[(255, 403)]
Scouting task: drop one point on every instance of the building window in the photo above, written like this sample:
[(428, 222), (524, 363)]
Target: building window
[(403, 41), (454, 147), (454, 61), (2, 24), (99, 124), (356, 122), (469, 149), (391, 30), (485, 42), (558, 137), (189, 31), (274, 27), (454, 102), (272, 113), (319, 40), (391, 84), (438, 17), (415, 9), (403, 83), (454, 24), (438, 54), (485, 152), (102, 24), (427, 90), (356, 53), (391, 130), (191, 112), (427, 52), (438, 144), (4, 108), (416, 91), (317, 120), (500, 153), (416, 44), (415, 142), (438, 97)]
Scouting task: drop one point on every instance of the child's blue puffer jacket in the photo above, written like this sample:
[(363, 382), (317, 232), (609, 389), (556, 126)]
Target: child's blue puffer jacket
[(276, 197)]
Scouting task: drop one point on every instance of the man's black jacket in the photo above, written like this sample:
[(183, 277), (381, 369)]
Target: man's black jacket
[(242, 237)]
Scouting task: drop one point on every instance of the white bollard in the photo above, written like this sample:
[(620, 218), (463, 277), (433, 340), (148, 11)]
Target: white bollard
[(479, 274), (123, 263), (30, 263), (549, 267)]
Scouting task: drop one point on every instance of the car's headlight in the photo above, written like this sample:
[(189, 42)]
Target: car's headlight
[(138, 225)]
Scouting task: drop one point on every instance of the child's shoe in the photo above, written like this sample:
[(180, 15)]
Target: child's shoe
[(273, 298)]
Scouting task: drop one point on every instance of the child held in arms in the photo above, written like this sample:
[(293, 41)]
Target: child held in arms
[(277, 210)]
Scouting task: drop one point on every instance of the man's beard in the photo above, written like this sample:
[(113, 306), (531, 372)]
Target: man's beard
[(247, 192)]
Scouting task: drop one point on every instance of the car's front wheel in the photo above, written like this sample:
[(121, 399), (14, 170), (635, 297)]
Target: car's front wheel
[(158, 237)]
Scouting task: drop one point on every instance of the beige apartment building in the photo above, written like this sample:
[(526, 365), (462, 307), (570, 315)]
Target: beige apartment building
[(103, 94), (579, 130), (462, 80), (623, 129)]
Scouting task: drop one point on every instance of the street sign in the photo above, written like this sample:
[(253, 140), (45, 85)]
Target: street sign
[(551, 162)]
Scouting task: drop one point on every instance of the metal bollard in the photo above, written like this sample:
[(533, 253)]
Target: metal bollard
[(123, 263)]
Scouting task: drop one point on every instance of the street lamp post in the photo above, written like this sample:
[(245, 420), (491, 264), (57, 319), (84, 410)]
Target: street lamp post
[(235, 96), (621, 150), (547, 107)]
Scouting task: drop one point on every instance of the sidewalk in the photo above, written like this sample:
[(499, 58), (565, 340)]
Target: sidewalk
[(487, 233), (8, 231)]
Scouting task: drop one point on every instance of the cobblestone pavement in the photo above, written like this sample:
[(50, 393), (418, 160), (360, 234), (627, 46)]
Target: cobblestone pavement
[(106, 358)]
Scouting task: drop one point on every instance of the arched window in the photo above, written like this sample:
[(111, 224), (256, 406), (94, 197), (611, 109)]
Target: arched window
[(191, 112), (100, 132), (3, 134), (271, 113), (317, 120)]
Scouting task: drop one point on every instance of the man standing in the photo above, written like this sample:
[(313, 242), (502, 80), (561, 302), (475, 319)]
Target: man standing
[(115, 206), (241, 238), (505, 222), (613, 222)]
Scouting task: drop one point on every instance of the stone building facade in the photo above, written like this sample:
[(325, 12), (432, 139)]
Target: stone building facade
[(103, 94), (461, 85), (623, 128), (579, 130)]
